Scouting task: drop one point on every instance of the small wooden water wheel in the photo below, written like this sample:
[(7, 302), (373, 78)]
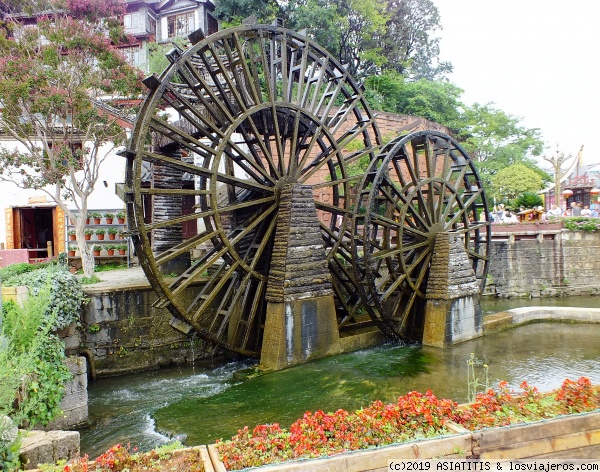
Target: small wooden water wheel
[(418, 186)]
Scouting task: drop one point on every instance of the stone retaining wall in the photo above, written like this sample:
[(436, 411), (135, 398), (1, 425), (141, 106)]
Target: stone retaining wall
[(124, 332), (560, 264)]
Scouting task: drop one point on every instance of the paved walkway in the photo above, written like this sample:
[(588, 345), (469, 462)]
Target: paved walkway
[(125, 279)]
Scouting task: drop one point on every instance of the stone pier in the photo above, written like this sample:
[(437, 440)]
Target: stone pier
[(452, 310), (300, 323)]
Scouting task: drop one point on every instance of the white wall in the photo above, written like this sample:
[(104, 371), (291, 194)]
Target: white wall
[(112, 171)]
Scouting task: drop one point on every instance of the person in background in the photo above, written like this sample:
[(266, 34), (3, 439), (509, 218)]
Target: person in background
[(554, 211), (594, 211), (575, 209), (586, 211), (510, 217)]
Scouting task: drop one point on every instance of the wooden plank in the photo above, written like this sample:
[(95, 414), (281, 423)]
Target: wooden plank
[(377, 459), (540, 446), (554, 427), (214, 458), (206, 460), (590, 452)]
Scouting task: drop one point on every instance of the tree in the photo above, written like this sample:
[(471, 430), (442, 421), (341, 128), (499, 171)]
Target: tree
[(514, 180), (349, 29), (558, 160), (496, 140), (52, 79), (232, 12), (409, 43), (435, 100)]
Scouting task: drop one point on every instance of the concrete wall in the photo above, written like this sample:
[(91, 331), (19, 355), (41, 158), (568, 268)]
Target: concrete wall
[(565, 263)]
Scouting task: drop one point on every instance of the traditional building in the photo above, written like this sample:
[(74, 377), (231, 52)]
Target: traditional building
[(162, 21), (581, 184)]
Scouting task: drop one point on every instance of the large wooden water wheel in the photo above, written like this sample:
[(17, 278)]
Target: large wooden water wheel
[(237, 116)]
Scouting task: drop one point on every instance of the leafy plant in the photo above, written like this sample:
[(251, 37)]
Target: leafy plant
[(109, 215), (504, 407), (93, 328), (89, 231), (100, 231), (66, 296), (112, 230), (475, 384), (528, 200), (95, 215), (121, 214), (579, 223), (32, 370)]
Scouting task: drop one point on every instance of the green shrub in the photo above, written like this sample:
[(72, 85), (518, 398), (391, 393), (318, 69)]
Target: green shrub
[(579, 223), (13, 270), (528, 200), (66, 295), (32, 370)]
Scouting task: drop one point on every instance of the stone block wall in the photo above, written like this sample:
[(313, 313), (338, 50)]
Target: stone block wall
[(75, 401), (566, 264), (124, 332)]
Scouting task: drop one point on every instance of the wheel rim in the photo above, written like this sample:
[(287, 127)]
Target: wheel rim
[(420, 185), (259, 107)]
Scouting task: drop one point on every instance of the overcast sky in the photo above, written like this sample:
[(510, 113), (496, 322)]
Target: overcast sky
[(537, 60)]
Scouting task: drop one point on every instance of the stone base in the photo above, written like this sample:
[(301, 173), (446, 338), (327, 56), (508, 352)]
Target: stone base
[(298, 331), (449, 322), (74, 404), (47, 447)]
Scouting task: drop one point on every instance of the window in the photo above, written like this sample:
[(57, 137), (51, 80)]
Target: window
[(131, 22), (180, 25), (132, 55), (151, 25)]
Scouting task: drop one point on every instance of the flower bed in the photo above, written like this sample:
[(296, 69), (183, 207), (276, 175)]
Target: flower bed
[(414, 416)]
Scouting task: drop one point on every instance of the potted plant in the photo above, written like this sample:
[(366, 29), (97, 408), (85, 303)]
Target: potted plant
[(88, 217), (109, 218), (72, 250), (96, 217), (97, 249), (112, 232), (110, 249), (121, 232), (122, 249), (88, 234), (72, 235), (121, 217), (100, 233)]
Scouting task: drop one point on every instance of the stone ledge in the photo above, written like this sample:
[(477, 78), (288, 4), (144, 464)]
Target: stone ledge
[(516, 316), (48, 447)]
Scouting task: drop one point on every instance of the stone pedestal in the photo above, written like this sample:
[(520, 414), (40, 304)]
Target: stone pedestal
[(300, 323), (452, 310)]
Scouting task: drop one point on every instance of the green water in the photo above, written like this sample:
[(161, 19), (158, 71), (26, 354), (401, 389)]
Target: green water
[(203, 405)]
